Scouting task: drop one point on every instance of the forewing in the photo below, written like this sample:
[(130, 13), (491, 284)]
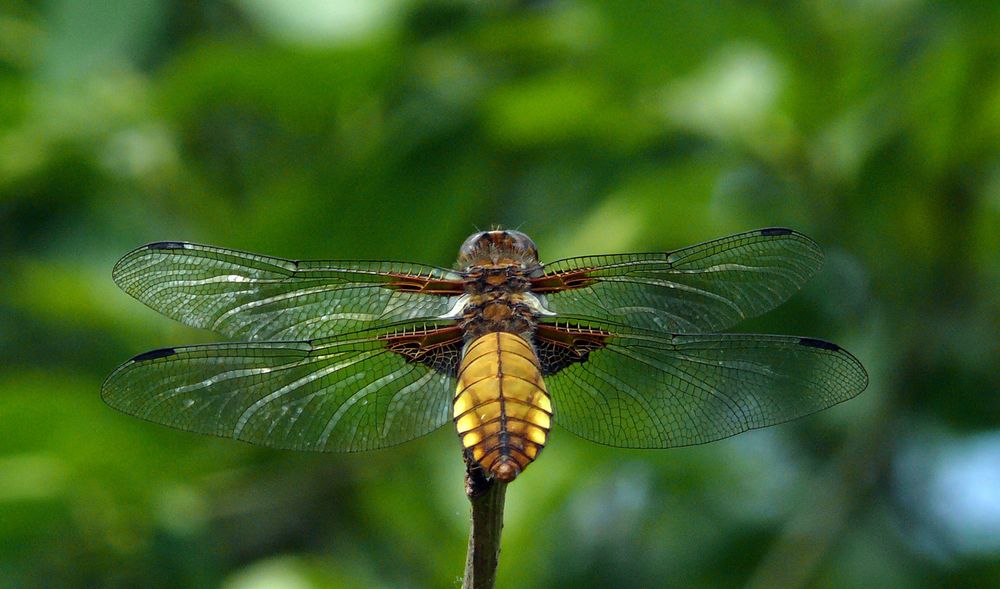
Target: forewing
[(343, 394), (260, 298), (644, 390), (702, 288)]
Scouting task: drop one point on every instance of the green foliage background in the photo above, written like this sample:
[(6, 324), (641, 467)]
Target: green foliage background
[(392, 129)]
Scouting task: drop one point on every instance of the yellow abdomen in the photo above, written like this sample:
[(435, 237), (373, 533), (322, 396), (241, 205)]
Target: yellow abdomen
[(502, 409)]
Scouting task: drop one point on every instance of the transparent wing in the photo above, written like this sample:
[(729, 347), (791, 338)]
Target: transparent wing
[(343, 394), (702, 288), (643, 390), (259, 298)]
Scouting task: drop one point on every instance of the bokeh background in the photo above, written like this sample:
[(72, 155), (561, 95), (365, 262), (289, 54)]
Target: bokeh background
[(394, 128)]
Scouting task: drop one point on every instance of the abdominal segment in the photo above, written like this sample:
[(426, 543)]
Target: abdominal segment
[(502, 409)]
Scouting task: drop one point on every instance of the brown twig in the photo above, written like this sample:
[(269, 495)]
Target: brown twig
[(487, 499)]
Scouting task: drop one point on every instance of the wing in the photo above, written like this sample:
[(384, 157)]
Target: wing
[(259, 298), (368, 390), (702, 288), (639, 389)]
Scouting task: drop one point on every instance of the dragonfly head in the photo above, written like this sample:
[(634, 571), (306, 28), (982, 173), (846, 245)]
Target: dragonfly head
[(497, 248)]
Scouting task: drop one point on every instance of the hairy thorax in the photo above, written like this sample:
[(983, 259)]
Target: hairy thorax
[(498, 300)]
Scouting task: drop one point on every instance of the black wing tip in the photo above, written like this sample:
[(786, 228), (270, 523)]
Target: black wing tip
[(154, 354), (793, 234), (167, 245), (859, 368), (818, 343)]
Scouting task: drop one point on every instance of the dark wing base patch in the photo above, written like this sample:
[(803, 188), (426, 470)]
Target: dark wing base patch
[(439, 348), (561, 345)]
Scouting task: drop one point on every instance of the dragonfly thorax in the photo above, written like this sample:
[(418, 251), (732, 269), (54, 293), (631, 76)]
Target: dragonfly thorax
[(497, 311), (498, 298)]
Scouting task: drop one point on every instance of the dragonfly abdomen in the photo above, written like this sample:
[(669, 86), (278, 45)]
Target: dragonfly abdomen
[(502, 408)]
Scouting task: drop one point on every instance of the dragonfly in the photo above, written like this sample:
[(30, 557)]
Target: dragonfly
[(626, 350)]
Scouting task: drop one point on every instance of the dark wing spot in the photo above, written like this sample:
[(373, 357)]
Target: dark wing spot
[(154, 354), (818, 343), (167, 245), (770, 231)]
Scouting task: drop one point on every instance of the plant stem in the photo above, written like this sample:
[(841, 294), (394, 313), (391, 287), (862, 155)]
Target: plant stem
[(487, 499)]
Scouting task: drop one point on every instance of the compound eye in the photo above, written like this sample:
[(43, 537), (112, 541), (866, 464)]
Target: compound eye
[(471, 244), (522, 242)]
